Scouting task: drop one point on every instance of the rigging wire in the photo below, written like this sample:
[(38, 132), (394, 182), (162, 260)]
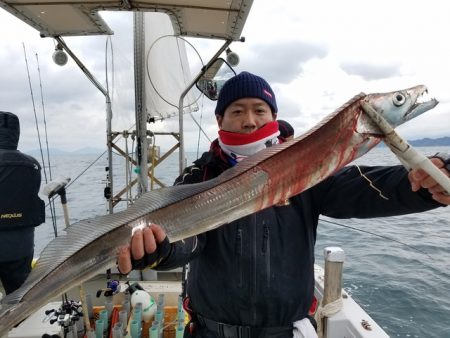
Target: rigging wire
[(377, 235), (39, 135)]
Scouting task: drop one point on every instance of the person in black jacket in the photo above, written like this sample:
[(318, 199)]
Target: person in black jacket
[(254, 277), (286, 130), (21, 209)]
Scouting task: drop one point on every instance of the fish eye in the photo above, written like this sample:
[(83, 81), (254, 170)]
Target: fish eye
[(398, 99)]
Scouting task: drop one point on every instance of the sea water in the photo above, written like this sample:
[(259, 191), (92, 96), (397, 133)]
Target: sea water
[(396, 268)]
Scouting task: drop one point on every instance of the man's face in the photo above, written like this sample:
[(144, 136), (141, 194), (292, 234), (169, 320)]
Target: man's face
[(245, 116)]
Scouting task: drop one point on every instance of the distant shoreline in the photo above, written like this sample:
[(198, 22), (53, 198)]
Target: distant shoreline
[(424, 142), (429, 142)]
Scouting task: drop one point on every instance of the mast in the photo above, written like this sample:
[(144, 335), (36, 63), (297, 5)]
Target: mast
[(140, 104)]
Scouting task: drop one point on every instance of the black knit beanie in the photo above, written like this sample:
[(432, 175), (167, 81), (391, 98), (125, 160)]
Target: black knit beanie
[(245, 85), (285, 128)]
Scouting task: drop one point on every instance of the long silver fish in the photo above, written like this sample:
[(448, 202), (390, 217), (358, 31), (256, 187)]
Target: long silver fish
[(271, 176)]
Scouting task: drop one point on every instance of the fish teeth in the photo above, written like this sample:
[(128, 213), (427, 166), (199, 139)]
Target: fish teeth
[(424, 97)]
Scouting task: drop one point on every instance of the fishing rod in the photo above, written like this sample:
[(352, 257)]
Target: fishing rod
[(51, 203)]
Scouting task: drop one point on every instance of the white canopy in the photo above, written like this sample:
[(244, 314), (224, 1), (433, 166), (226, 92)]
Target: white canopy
[(221, 19)]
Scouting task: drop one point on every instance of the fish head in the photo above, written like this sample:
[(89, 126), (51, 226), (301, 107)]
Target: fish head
[(402, 105)]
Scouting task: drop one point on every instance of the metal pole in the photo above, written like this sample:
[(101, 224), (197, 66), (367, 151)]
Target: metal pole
[(108, 116), (141, 114), (183, 94)]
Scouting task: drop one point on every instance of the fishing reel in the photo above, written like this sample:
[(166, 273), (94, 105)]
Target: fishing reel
[(69, 313), (112, 288)]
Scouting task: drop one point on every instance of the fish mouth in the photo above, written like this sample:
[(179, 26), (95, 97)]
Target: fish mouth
[(422, 104)]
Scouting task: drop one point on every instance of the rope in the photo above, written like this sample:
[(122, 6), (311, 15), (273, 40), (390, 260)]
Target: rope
[(327, 311)]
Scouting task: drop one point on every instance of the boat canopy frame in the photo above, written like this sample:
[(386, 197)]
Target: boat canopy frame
[(216, 19)]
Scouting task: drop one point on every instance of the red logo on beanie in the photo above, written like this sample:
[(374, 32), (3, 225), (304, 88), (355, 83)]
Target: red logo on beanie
[(265, 91)]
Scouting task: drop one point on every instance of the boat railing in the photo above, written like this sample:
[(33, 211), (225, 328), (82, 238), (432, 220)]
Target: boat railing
[(338, 315)]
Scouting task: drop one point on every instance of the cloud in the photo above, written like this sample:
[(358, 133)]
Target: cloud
[(314, 59), (281, 62), (371, 71)]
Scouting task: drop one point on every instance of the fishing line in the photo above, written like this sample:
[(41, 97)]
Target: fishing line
[(86, 169), (377, 235), (92, 163), (371, 183), (82, 172)]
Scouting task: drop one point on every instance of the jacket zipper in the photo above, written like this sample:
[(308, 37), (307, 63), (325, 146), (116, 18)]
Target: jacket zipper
[(266, 252), (239, 253), (254, 272)]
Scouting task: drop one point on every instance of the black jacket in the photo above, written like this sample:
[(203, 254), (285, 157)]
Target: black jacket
[(20, 179), (259, 270)]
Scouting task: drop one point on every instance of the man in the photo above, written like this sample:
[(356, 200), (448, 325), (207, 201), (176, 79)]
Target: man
[(21, 209), (254, 277)]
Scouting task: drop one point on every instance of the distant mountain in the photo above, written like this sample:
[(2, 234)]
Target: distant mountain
[(426, 142), (55, 151), (88, 150), (429, 142)]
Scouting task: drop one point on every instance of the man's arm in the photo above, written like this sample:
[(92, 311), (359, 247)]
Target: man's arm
[(378, 191)]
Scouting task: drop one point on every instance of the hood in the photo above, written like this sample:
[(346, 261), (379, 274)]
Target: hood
[(9, 130)]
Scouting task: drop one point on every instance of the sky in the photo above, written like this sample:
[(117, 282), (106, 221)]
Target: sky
[(316, 55)]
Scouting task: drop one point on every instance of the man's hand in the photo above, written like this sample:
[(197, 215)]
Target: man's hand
[(420, 179), (147, 249)]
